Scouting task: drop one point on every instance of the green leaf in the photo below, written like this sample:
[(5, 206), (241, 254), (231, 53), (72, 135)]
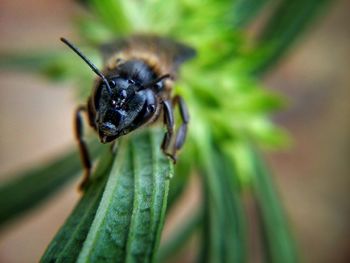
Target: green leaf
[(34, 61), (129, 219), (180, 236), (55, 65), (289, 20), (28, 189), (93, 31), (112, 14), (224, 228), (244, 11), (280, 246), (66, 245)]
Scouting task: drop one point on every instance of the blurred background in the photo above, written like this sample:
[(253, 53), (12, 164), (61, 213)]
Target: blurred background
[(313, 176)]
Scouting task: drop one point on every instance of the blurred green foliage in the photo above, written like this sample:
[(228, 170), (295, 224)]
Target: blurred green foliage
[(230, 118)]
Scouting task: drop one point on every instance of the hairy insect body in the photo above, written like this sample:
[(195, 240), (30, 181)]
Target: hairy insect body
[(162, 55), (135, 89)]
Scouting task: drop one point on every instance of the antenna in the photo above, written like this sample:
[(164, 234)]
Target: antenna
[(87, 61)]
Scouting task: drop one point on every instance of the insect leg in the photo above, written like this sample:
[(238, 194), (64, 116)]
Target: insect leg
[(182, 131), (169, 122), (84, 154)]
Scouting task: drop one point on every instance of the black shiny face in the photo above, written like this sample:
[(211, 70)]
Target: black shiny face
[(127, 108)]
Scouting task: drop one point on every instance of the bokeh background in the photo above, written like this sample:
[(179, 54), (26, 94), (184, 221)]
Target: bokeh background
[(313, 176)]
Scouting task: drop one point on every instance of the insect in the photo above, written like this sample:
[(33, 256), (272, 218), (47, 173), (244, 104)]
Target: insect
[(134, 89)]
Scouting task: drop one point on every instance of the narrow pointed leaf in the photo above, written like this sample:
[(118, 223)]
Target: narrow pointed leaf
[(224, 229), (129, 220), (34, 61), (280, 246), (66, 245), (244, 11), (54, 65), (287, 23), (31, 187), (180, 236)]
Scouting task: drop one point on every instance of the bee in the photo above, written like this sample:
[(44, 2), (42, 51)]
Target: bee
[(133, 90)]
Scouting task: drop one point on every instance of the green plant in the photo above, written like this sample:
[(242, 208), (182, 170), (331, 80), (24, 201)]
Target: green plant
[(121, 214)]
